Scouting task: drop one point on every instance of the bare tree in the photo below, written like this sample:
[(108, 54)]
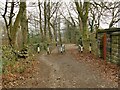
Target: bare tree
[(104, 11), (45, 19), (40, 20), (49, 8), (20, 21), (82, 10), (115, 13)]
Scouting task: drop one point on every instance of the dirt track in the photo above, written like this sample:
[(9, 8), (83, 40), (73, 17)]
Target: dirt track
[(63, 71)]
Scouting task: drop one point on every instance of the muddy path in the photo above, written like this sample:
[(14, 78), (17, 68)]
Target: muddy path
[(64, 71)]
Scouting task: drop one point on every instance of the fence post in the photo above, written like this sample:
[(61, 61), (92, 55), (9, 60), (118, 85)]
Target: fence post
[(104, 46)]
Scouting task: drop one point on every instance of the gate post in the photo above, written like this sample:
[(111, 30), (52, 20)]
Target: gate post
[(104, 46)]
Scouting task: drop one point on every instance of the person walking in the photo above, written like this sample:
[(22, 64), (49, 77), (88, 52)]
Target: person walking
[(38, 48), (48, 49)]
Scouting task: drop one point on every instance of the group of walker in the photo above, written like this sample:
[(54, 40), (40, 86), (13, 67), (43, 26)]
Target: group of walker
[(80, 46), (61, 48)]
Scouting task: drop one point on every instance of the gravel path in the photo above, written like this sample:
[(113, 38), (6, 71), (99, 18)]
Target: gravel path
[(63, 71)]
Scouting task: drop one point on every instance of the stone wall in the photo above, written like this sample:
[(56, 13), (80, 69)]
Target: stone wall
[(115, 48)]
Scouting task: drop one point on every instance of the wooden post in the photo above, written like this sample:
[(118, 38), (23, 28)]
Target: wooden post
[(104, 46)]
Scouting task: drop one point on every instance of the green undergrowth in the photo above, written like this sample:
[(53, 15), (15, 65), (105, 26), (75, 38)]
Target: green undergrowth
[(11, 64)]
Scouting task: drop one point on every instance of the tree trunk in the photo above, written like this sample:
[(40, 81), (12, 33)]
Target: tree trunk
[(15, 28), (40, 21), (60, 40), (45, 20), (49, 29), (54, 30)]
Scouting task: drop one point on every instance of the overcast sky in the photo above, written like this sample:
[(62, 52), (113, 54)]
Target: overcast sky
[(2, 5)]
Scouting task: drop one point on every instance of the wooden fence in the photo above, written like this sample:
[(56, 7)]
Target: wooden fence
[(109, 44)]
